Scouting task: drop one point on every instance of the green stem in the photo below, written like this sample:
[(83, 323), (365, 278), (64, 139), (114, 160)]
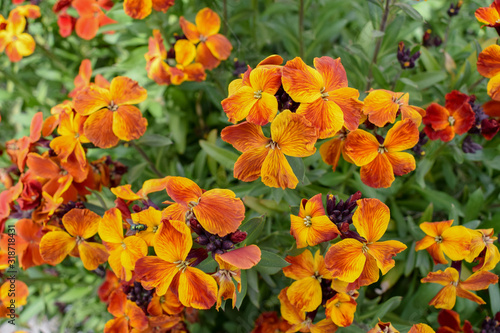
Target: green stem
[(147, 159)]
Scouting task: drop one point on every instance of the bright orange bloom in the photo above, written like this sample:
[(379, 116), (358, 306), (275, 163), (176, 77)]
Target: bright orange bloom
[(297, 318), (18, 298), (112, 116), (483, 242), (312, 226), (91, 16), (305, 293), (7, 199), (170, 269), (331, 149), (19, 149), (217, 210), (421, 328), (382, 327), (151, 218), (140, 9), (16, 43), (254, 99), (449, 322), (441, 238), (82, 80), (382, 106), (340, 308), (379, 162), (28, 11), (324, 97), (123, 251), (186, 69), (157, 68), (213, 47), (456, 117), (30, 232), (80, 224), (149, 186), (291, 135), (488, 65), (450, 278), (51, 122), (128, 316), (268, 322), (230, 266), (354, 261), (168, 303), (110, 284), (490, 16)]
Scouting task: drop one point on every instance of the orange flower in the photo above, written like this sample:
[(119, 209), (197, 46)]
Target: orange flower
[(382, 327), (379, 162), (82, 80), (16, 295), (268, 322), (483, 247), (157, 68), (140, 9), (91, 17), (325, 100), (151, 218), (112, 116), (490, 16), (30, 232), (441, 238), (331, 149), (16, 43), (213, 47), (305, 293), (297, 318), (449, 322), (128, 316), (340, 308), (382, 106), (354, 261), (107, 288), (149, 186), (168, 303), (123, 252), (170, 269), (421, 328), (488, 65), (19, 149), (450, 278), (312, 226), (217, 210), (185, 69), (80, 224), (28, 11), (254, 99), (291, 134), (457, 117)]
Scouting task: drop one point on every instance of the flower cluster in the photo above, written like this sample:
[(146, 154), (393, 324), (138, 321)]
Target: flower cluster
[(14, 40)]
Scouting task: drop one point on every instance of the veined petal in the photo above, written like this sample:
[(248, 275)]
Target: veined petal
[(91, 99), (371, 219), (183, 190), (325, 115), (332, 71), (378, 173), (126, 91), (175, 212), (244, 258), (299, 231), (437, 254), (488, 61), (137, 9), (402, 163), (264, 110), (125, 192), (219, 211), (445, 298), (219, 46), (361, 147), (173, 242), (301, 266), (207, 22), (469, 295), (403, 135), (347, 100), (190, 30), (248, 167), (456, 242), (56, 245), (92, 254), (380, 106), (162, 5), (340, 308), (128, 123), (424, 243), (493, 87), (81, 222), (99, 129), (437, 117), (237, 106), (289, 312), (443, 278), (294, 134), (266, 79), (479, 281), (487, 15), (63, 146), (434, 229), (42, 166), (413, 113), (111, 227), (154, 272), (345, 260), (135, 248), (369, 275), (244, 136), (421, 328), (305, 294), (321, 230), (330, 151), (205, 57), (301, 82), (384, 252), (197, 289), (277, 172)]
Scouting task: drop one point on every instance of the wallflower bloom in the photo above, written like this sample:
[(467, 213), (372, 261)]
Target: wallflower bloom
[(331, 149), (123, 251), (490, 16), (312, 226), (213, 47), (157, 68), (82, 80), (217, 210), (421, 328), (186, 69), (324, 97), (450, 278), (80, 224), (382, 106), (291, 135), (149, 186), (128, 316), (441, 238), (19, 298), (380, 162), (169, 269), (358, 262), (140, 9), (382, 327), (112, 116), (340, 308), (91, 17), (151, 218), (254, 99), (30, 232), (483, 247), (456, 117), (16, 43), (488, 65), (28, 11)]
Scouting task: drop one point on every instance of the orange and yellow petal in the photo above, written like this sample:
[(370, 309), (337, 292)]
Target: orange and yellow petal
[(325, 115), (294, 134), (244, 258), (383, 252), (99, 129), (361, 147), (340, 308), (413, 113), (443, 278), (128, 123), (403, 135), (219, 46), (470, 296), (345, 260), (124, 90), (347, 100), (456, 242), (321, 230), (111, 227), (479, 281), (207, 22), (183, 190), (125, 192), (92, 254), (175, 212), (56, 245), (264, 110), (378, 173), (197, 289), (305, 294), (445, 298), (173, 242), (244, 136), (332, 71), (421, 328), (488, 61), (238, 106), (185, 52), (135, 248), (91, 99), (369, 275), (137, 9), (277, 172), (301, 266), (291, 314), (402, 163), (371, 219), (330, 151), (81, 222), (380, 107), (205, 57), (190, 30), (301, 82), (248, 167), (155, 272)]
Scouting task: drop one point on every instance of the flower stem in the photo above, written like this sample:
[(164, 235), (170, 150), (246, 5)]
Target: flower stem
[(150, 163)]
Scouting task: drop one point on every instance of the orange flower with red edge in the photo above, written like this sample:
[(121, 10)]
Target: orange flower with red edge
[(441, 238), (490, 16), (308, 272), (382, 327), (91, 16), (379, 162), (483, 248), (453, 287), (212, 46), (456, 117), (330, 150), (80, 224), (157, 68), (358, 262), (291, 135), (14, 41), (340, 308), (217, 210), (171, 269), (381, 106), (123, 251), (488, 65), (82, 80), (140, 9), (324, 97), (254, 99), (449, 322), (128, 316), (312, 226), (112, 115)]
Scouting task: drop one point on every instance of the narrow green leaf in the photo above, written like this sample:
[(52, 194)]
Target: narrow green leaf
[(253, 228), (410, 11), (154, 140), (494, 291), (225, 157), (427, 214), (298, 167), (270, 263), (474, 205)]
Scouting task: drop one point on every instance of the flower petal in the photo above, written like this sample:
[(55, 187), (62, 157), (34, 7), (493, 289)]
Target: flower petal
[(135, 248), (380, 106), (325, 115), (345, 260), (371, 219), (248, 167), (111, 228), (173, 242), (305, 294), (443, 278), (205, 57), (340, 308), (301, 82), (183, 190), (128, 123), (277, 172), (219, 46), (56, 245), (456, 242), (361, 147), (125, 192), (207, 22), (126, 91), (190, 30), (92, 254), (154, 272), (301, 266), (445, 298), (137, 9), (384, 252), (294, 134), (403, 135), (81, 222), (402, 163), (244, 258), (197, 289), (378, 173), (488, 61), (332, 71), (479, 281), (347, 100), (99, 129)]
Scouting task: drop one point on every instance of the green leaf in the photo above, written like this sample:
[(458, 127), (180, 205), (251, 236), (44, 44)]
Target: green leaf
[(474, 205), (494, 291), (270, 263), (240, 295), (208, 265), (298, 167), (428, 79), (410, 260), (154, 140), (430, 63), (410, 11), (136, 171), (225, 157), (74, 294), (427, 214), (253, 227)]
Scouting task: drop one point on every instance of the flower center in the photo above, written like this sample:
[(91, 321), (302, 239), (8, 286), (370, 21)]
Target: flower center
[(257, 94), (112, 106), (181, 265), (124, 246), (273, 145), (324, 94), (227, 274), (155, 228), (382, 149), (364, 248), (203, 39), (79, 239), (317, 276), (451, 120), (438, 239), (307, 221)]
